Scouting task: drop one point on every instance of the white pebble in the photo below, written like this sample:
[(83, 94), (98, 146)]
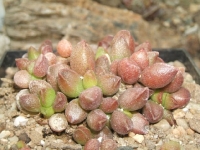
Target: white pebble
[(138, 138), (4, 134), (42, 142), (20, 121)]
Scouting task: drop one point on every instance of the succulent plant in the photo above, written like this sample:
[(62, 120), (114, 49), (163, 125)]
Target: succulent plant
[(118, 87)]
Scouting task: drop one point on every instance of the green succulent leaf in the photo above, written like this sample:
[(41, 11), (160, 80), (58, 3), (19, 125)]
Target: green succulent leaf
[(47, 112), (33, 53), (47, 97)]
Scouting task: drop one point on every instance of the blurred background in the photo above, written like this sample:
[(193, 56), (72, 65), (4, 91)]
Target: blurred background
[(164, 23)]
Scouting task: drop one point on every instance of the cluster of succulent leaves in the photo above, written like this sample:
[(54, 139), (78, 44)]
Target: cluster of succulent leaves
[(120, 86)]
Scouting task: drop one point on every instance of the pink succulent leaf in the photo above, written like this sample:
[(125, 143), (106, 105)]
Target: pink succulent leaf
[(82, 134), (109, 104), (60, 102), (109, 144), (119, 49), (102, 62), (105, 134), (79, 116), (176, 83), (51, 58), (21, 63), (109, 83), (158, 75), (18, 95), (52, 74), (30, 103), (64, 48), (128, 38), (70, 82), (91, 98), (41, 66), (114, 66), (133, 98), (121, 123), (92, 144), (22, 78), (128, 70), (96, 120), (36, 86), (58, 122), (153, 111), (140, 124), (141, 58), (146, 46), (46, 47), (82, 58)]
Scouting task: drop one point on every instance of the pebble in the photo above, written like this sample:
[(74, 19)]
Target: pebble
[(36, 135), (195, 125), (24, 137), (138, 138), (163, 125), (13, 140), (4, 134), (20, 121), (178, 113), (179, 131), (182, 123), (188, 115), (189, 131)]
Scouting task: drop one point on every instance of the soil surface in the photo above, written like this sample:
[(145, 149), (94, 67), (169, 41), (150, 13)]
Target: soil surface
[(37, 134)]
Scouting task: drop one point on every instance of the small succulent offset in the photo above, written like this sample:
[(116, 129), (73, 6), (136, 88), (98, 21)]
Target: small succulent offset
[(119, 87)]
